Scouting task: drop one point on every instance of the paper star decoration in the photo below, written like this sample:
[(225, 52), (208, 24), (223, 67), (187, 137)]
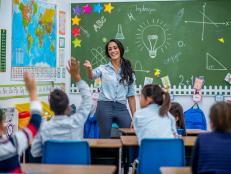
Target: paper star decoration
[(156, 72), (77, 10), (76, 42), (87, 9), (222, 40), (76, 32), (75, 20), (108, 7), (97, 8)]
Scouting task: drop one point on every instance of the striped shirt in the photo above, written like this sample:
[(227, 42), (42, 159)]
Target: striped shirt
[(13, 147)]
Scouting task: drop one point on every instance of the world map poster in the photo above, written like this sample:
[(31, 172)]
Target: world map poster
[(34, 30)]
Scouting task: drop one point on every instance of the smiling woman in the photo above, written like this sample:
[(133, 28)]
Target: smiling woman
[(117, 87)]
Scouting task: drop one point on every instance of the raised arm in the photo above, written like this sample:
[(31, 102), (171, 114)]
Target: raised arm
[(88, 67), (86, 100), (25, 136)]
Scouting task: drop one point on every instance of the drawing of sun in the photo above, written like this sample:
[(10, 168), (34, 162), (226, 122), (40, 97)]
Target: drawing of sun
[(153, 36)]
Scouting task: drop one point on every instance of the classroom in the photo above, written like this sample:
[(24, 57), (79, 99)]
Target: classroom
[(115, 86)]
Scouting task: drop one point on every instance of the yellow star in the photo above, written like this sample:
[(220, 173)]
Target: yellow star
[(75, 20), (156, 72), (76, 42), (108, 7)]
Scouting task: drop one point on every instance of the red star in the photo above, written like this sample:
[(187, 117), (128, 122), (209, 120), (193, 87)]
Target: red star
[(76, 32)]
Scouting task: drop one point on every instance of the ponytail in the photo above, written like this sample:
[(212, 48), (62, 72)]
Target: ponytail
[(165, 104), (158, 97)]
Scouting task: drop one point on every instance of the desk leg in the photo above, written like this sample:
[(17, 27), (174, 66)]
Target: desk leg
[(120, 160)]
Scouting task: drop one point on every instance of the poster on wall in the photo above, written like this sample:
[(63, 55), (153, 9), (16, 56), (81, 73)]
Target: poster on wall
[(34, 30), (62, 21), (2, 50)]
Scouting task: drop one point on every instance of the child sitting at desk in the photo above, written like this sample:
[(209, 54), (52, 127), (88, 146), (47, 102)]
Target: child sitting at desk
[(177, 111), (11, 148), (61, 126), (212, 152), (153, 119)]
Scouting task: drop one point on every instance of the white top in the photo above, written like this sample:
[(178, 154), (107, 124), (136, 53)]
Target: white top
[(149, 124), (65, 127)]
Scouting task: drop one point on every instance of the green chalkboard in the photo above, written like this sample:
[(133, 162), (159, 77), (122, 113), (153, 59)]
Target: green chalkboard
[(184, 39)]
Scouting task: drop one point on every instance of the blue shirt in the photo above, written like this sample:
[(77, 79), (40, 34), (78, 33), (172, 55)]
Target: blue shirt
[(111, 88), (212, 153), (149, 124)]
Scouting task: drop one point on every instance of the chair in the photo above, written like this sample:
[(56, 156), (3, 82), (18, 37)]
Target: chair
[(155, 153), (66, 152)]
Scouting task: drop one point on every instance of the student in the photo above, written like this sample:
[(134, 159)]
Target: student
[(11, 148), (62, 126), (177, 111), (153, 119), (118, 87), (212, 152)]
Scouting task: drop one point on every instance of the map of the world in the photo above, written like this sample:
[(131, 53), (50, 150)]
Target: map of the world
[(34, 39)]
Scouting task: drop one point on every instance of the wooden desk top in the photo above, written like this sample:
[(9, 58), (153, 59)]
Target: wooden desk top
[(175, 170), (195, 131), (104, 143), (130, 131), (127, 131), (68, 169), (132, 140)]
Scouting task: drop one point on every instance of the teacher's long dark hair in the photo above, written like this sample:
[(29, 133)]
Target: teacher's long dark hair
[(126, 67)]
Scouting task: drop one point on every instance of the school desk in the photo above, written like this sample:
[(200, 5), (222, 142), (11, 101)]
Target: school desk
[(132, 140), (189, 132), (68, 169), (175, 170), (106, 144), (195, 132)]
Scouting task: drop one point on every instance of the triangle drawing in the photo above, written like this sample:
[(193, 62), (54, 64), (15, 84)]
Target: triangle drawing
[(213, 64)]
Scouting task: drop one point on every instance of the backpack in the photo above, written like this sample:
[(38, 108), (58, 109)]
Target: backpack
[(195, 119), (91, 129)]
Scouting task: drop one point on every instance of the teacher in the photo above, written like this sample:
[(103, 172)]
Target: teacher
[(118, 87)]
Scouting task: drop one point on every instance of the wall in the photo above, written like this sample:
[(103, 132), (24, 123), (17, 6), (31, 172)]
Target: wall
[(6, 23)]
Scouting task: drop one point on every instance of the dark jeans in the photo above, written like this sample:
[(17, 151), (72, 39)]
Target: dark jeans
[(108, 112)]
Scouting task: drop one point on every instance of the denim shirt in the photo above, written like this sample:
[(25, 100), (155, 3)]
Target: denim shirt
[(111, 88), (149, 124), (62, 126)]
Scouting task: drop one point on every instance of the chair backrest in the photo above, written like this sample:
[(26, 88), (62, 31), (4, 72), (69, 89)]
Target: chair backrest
[(155, 153), (66, 152)]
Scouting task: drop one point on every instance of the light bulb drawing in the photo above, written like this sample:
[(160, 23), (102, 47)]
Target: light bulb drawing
[(153, 36), (152, 45)]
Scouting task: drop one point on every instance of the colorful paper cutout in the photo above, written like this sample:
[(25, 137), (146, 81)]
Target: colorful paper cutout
[(156, 72), (97, 8), (166, 82), (76, 32), (77, 10), (222, 40), (228, 78), (87, 9), (108, 8), (97, 83), (148, 80), (76, 42), (198, 83), (75, 20)]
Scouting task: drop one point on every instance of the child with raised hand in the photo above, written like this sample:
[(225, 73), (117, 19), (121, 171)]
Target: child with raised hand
[(11, 148), (153, 119), (62, 126), (212, 152)]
